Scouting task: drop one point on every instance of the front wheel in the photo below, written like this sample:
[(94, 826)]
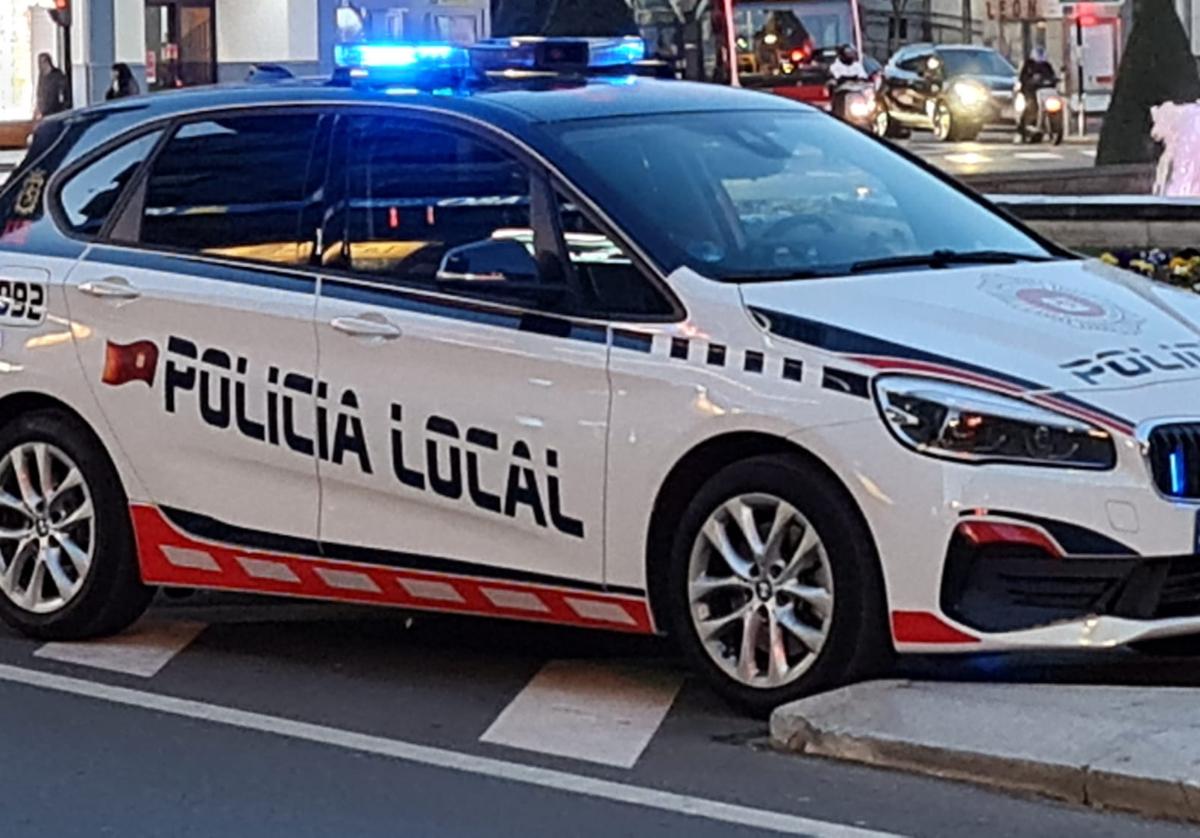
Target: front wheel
[(774, 586), (68, 567), (1055, 129)]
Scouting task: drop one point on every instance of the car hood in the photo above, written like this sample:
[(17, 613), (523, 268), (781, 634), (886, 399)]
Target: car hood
[(1078, 328), (996, 84)]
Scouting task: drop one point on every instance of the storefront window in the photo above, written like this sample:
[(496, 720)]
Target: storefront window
[(25, 31)]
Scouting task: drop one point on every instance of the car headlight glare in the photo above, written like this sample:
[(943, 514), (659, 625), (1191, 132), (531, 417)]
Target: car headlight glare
[(976, 426), (969, 93)]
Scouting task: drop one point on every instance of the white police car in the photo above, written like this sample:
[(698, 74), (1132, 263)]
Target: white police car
[(496, 335)]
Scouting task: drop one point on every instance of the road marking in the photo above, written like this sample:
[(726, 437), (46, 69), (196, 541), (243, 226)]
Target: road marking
[(588, 711), (970, 158), (563, 781), (1037, 155), (1088, 152), (142, 650)]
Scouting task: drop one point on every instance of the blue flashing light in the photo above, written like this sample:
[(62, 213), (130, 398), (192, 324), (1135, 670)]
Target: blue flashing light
[(400, 56), (1178, 480), (615, 52), (540, 54)]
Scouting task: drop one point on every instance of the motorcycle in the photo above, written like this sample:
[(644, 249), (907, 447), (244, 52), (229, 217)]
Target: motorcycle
[(1042, 116), (853, 100)]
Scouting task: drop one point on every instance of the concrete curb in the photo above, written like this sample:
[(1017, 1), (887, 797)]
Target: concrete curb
[(1139, 761)]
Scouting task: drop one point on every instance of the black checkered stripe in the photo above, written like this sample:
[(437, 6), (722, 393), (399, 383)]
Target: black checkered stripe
[(750, 361)]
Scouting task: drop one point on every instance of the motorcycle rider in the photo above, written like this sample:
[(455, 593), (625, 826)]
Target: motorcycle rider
[(1037, 73), (847, 67)]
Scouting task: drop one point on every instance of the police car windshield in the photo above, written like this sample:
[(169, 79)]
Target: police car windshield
[(775, 195)]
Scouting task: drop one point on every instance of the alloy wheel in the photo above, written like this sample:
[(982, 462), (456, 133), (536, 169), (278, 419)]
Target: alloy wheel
[(882, 120), (943, 123), (760, 588), (47, 528)]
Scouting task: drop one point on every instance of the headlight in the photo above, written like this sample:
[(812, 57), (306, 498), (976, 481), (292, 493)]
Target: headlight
[(1019, 103), (971, 95), (860, 107), (1053, 104), (976, 426)]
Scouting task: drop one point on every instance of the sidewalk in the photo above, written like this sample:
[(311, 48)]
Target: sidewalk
[(1129, 748)]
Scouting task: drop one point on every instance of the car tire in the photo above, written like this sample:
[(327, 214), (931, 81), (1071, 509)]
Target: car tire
[(969, 133), (944, 127), (68, 563), (885, 126), (828, 611)]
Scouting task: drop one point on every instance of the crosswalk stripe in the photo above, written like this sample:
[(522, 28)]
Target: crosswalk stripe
[(1037, 155), (142, 650), (736, 815), (593, 711)]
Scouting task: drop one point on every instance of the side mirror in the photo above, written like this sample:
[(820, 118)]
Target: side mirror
[(502, 267), (499, 261)]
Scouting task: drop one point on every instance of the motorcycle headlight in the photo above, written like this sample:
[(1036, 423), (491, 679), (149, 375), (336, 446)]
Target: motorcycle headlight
[(962, 423), (969, 93), (860, 107)]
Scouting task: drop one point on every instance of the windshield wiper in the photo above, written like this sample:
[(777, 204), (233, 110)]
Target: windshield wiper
[(946, 259)]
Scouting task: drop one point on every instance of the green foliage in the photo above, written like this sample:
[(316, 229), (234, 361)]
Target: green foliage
[(1158, 66)]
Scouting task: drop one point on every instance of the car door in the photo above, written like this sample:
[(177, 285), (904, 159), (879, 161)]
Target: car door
[(471, 415), (909, 88), (196, 330)]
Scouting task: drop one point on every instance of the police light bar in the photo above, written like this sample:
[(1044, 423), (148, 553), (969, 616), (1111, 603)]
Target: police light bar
[(556, 55), (400, 62)]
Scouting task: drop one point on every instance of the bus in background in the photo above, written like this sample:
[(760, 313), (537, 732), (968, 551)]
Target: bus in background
[(787, 47), (781, 46)]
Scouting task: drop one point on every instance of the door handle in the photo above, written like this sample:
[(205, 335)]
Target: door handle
[(366, 326), (111, 288)]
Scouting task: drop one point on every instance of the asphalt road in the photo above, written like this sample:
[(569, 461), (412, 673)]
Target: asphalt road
[(261, 719), (995, 152)]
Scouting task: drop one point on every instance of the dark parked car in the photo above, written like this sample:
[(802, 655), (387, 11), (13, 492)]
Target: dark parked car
[(953, 91)]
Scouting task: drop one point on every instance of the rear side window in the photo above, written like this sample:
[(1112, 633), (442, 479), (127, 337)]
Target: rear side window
[(88, 197), (412, 192), (233, 187)]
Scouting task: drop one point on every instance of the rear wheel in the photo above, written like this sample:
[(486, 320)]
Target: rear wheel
[(68, 568), (774, 586)]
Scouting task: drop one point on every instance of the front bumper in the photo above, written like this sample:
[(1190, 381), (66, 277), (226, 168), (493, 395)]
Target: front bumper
[(1004, 576), (1113, 562)]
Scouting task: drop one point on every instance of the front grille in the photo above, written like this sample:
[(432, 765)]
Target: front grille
[(1175, 459)]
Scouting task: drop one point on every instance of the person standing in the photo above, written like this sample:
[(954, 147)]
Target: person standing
[(123, 83), (52, 94)]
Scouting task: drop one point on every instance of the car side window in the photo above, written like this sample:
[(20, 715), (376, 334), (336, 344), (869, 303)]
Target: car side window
[(88, 196), (417, 203), (232, 186), (914, 63), (612, 285)]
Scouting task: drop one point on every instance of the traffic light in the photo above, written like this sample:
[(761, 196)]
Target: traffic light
[(61, 13)]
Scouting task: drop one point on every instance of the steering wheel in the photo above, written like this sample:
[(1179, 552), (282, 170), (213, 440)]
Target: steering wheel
[(785, 225)]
